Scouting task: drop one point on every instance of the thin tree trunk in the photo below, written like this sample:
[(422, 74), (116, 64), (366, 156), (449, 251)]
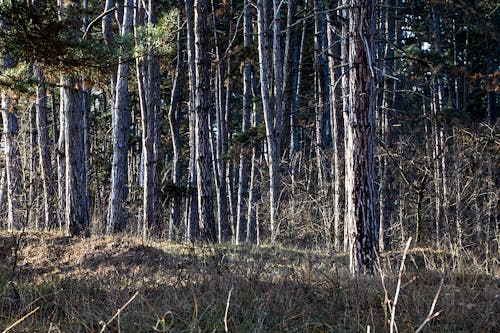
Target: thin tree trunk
[(174, 114), (61, 163), (386, 196), (151, 145), (33, 211), (224, 230), (337, 131), (44, 150), (270, 121), (192, 223), (244, 164), (345, 72), (12, 163), (289, 75)]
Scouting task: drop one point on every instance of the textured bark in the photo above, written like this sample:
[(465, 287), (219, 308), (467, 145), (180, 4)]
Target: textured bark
[(192, 223), (360, 173), (202, 110), (387, 190), (44, 151), (344, 54), (244, 164), (321, 88), (3, 193), (269, 119), (61, 164), (12, 163), (33, 192), (337, 133), (252, 235), (120, 118), (174, 114), (76, 199), (289, 74), (221, 136), (151, 145)]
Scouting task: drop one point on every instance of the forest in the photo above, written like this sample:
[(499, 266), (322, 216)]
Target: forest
[(249, 165)]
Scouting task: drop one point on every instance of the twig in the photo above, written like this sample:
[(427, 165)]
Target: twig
[(119, 311), (11, 326), (398, 288), (432, 314), (227, 310)]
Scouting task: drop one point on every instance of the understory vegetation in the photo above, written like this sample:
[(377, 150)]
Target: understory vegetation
[(122, 284)]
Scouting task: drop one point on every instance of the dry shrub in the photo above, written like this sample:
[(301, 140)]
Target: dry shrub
[(80, 284)]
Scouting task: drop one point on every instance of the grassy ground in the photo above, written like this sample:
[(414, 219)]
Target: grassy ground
[(124, 285)]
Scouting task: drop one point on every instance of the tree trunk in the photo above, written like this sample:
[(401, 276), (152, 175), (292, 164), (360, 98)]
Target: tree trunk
[(76, 199), (386, 196), (174, 114), (337, 131), (192, 223), (244, 165), (61, 163), (121, 118), (44, 150), (12, 163), (360, 171), (150, 138), (345, 72), (269, 119), (32, 202), (202, 109)]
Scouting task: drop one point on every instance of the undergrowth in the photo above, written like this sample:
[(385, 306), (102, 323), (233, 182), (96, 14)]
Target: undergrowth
[(125, 285)]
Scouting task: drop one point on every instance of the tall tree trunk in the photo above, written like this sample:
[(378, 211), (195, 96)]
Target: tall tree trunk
[(323, 101), (202, 109), (224, 230), (386, 196), (152, 215), (360, 171), (174, 115), (337, 132), (345, 72), (12, 163), (32, 203), (44, 150), (244, 165), (120, 118), (61, 163), (3, 194), (269, 119), (289, 74), (252, 235), (192, 223), (76, 199)]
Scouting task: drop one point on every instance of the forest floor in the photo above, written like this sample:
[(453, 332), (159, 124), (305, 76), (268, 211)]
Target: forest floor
[(52, 283)]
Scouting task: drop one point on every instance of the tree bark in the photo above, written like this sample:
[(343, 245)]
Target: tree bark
[(244, 164), (120, 118), (44, 150), (202, 109), (76, 199), (360, 171), (12, 163), (337, 133), (270, 120), (192, 223), (174, 115)]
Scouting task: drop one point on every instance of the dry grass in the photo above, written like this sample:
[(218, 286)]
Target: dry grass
[(124, 285)]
